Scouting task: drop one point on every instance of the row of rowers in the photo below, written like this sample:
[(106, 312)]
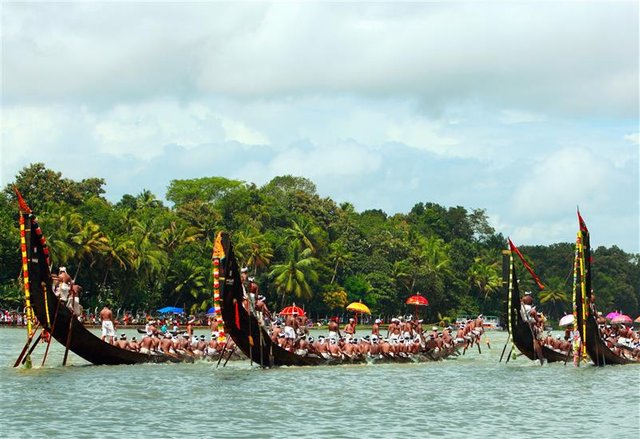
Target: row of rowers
[(179, 344), (404, 336)]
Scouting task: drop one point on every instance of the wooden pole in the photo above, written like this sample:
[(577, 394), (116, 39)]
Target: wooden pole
[(53, 327), (33, 346), (66, 348), (26, 346), (224, 348), (230, 354)]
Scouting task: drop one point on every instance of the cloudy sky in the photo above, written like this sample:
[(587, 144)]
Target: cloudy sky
[(524, 109)]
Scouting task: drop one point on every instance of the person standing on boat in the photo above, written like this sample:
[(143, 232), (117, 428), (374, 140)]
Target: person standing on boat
[(334, 328), (375, 328), (107, 324), (244, 280), (64, 284), (350, 329), (190, 323), (74, 300)]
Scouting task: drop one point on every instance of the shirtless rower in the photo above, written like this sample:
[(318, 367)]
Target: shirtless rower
[(190, 323), (74, 300), (350, 329), (290, 326), (375, 328), (166, 344), (107, 324), (394, 330), (262, 311), (334, 328), (134, 345), (146, 344), (321, 347), (407, 328), (122, 343)]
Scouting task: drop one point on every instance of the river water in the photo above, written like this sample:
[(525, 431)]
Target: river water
[(470, 395)]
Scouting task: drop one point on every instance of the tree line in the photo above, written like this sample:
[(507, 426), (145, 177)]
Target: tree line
[(142, 253)]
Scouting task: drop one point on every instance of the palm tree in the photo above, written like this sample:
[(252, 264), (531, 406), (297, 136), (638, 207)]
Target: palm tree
[(146, 199), (554, 295), (294, 275), (72, 239), (253, 248), (150, 258), (191, 278), (306, 232), (339, 256), (88, 242), (484, 277)]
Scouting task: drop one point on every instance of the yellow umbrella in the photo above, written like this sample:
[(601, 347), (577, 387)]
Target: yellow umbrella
[(358, 307)]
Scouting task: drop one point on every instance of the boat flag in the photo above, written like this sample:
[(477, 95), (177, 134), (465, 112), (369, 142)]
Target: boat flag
[(526, 265)]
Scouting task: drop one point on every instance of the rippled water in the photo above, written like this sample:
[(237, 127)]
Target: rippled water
[(471, 395)]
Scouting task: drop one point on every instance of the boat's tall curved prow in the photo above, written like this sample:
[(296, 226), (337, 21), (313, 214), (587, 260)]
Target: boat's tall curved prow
[(585, 309), (54, 316), (243, 327), (522, 332)]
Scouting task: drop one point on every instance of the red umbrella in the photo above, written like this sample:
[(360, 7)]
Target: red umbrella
[(613, 315), (417, 300), (292, 311)]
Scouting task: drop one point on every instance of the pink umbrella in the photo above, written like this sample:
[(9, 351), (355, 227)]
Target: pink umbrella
[(612, 315), (622, 318)]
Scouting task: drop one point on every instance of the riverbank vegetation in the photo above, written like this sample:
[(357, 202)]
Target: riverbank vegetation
[(143, 253)]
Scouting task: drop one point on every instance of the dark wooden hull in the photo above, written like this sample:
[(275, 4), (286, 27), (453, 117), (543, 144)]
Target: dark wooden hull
[(595, 345), (57, 319), (521, 331), (254, 341)]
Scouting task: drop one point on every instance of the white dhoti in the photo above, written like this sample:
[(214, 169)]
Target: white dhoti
[(108, 329)]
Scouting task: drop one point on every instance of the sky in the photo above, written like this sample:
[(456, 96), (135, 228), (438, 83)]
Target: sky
[(524, 109)]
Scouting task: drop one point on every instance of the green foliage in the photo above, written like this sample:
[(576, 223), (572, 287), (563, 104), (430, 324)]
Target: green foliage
[(335, 299), (140, 254)]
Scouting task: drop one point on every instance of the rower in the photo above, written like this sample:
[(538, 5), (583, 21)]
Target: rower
[(334, 328), (375, 328), (350, 329), (122, 343)]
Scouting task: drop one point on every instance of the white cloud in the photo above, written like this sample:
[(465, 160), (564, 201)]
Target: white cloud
[(493, 105), (633, 138), (510, 117), (239, 132), (423, 134), (564, 178)]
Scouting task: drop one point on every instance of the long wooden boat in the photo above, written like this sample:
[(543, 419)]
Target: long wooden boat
[(521, 331), (253, 339), (56, 318), (586, 313)]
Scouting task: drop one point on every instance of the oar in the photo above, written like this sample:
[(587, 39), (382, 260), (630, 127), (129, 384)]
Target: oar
[(66, 348), (510, 352), (26, 346), (33, 346), (230, 354), (568, 353), (53, 327), (224, 348), (505, 347)]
